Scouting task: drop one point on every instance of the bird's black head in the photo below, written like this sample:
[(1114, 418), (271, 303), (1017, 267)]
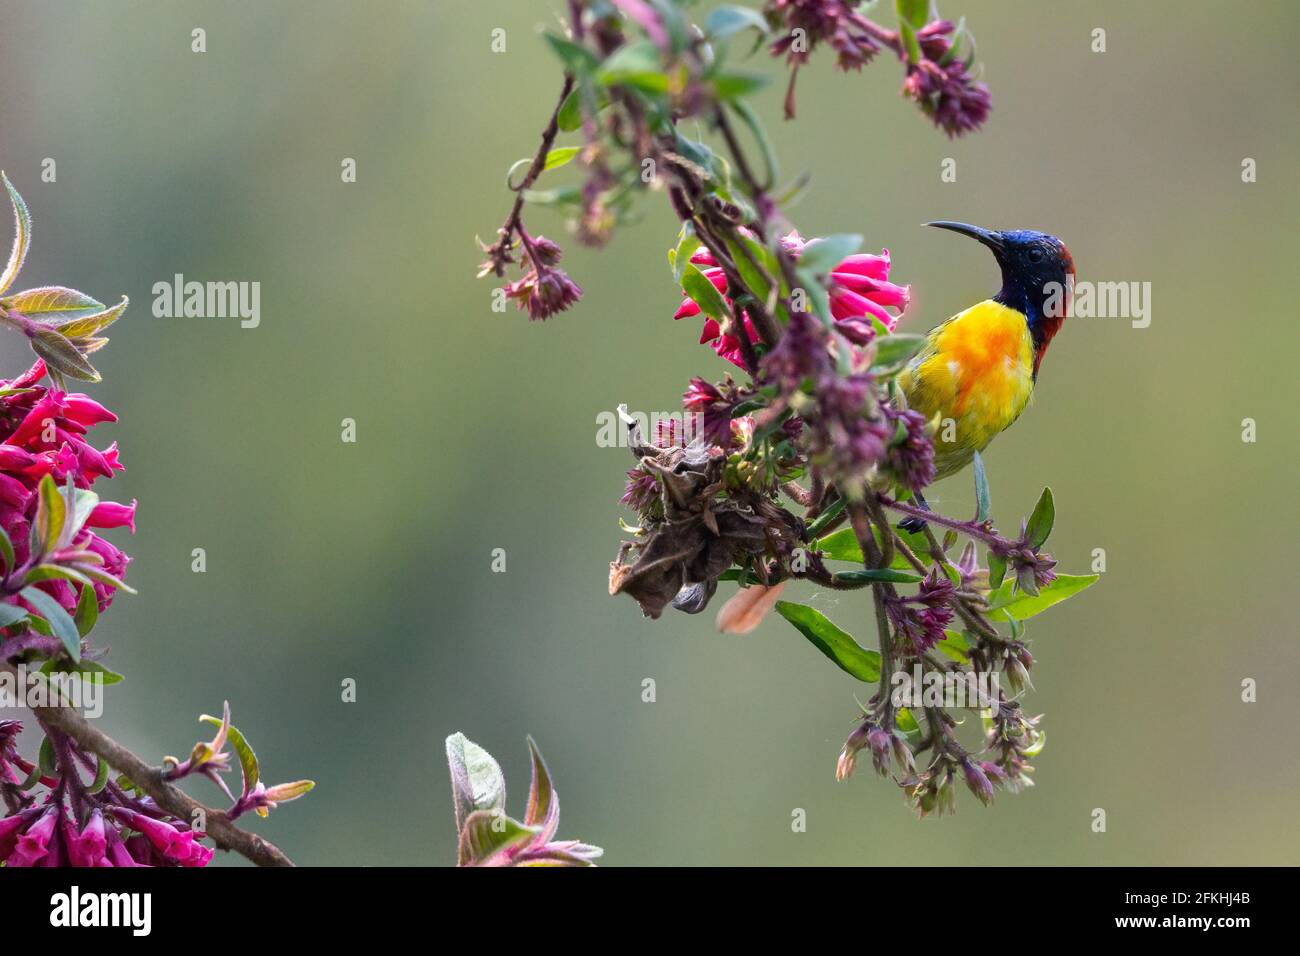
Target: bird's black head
[(1037, 275)]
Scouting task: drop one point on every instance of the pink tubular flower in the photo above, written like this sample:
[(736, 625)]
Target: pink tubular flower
[(12, 456), (110, 514), (711, 410), (177, 847), (32, 846), (11, 829), (88, 847), (859, 290), (118, 853), (700, 395), (43, 432)]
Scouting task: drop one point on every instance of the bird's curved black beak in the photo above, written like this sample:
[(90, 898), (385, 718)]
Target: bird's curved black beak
[(991, 239)]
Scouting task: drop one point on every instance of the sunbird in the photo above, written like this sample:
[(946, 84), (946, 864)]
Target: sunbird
[(977, 370)]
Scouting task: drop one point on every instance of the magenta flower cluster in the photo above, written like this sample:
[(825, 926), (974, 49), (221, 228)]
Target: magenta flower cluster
[(72, 826), (859, 290), (45, 433)]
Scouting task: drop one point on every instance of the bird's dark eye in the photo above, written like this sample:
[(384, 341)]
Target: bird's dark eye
[(1036, 254)]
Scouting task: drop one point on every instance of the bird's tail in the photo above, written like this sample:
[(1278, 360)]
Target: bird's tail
[(915, 525)]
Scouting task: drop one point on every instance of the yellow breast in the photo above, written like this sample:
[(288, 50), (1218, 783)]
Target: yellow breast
[(976, 373)]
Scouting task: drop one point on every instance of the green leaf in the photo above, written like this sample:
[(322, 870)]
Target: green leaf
[(101, 775), (560, 156), (955, 645), (103, 577), (906, 722), (910, 42), (571, 112), (6, 549), (842, 545), (697, 285), (997, 569), (636, 64), (826, 517), (87, 611), (487, 832), (247, 759), (79, 327), (1041, 521), (45, 758), (91, 668), (561, 196), (53, 304), (48, 572), (725, 21), (748, 408), (80, 502), (1034, 749), (756, 129), (62, 625), (915, 13), (477, 783), (731, 86), (575, 57), (889, 575), (761, 254), (61, 355), (11, 614), (817, 296), (1005, 605), (699, 154), (51, 512), (569, 118), (982, 504), (823, 255), (836, 644), (687, 244), (22, 236), (753, 278), (108, 676), (284, 792), (541, 793), (896, 348)]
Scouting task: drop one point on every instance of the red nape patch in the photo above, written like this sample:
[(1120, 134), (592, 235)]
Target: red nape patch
[(1066, 259), (1047, 326), (1045, 330)]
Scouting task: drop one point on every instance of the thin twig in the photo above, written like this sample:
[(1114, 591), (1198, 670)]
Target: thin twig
[(179, 804), (539, 163)]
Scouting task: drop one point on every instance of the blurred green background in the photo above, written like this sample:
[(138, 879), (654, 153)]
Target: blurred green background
[(476, 430)]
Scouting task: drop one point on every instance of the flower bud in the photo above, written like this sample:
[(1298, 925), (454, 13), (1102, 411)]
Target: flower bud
[(977, 780), (848, 756)]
